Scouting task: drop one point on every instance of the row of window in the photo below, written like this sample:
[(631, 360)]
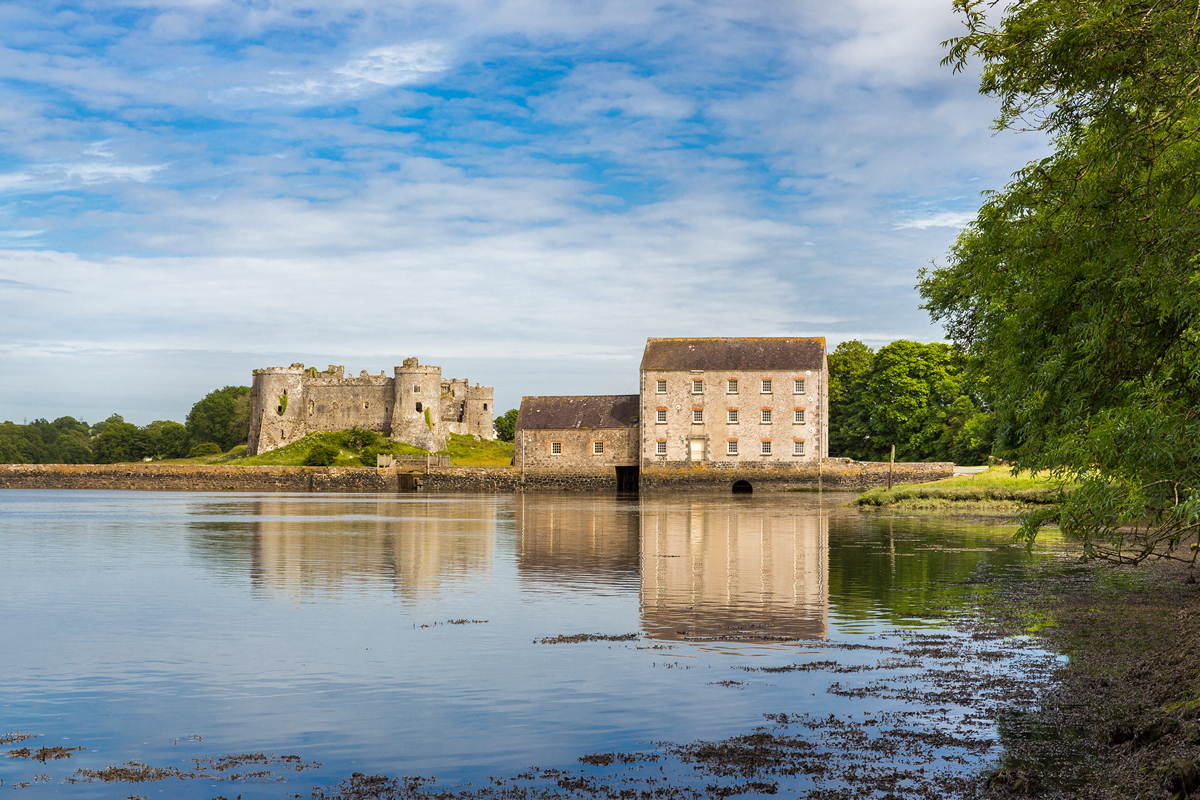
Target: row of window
[(597, 448), (731, 416), (731, 386), (731, 447)]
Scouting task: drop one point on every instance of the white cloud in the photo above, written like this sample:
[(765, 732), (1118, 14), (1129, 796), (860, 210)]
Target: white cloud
[(946, 219)]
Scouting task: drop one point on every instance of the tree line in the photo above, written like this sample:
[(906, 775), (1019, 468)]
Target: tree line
[(920, 398), (217, 423)]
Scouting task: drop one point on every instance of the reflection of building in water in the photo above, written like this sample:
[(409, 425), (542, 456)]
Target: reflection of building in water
[(585, 539), (411, 547), (717, 570)]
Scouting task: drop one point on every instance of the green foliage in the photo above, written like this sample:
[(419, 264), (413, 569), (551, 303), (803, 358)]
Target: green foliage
[(169, 439), (345, 441), (428, 419), (322, 454), (1077, 285), (205, 449), (64, 441), (121, 441), (282, 407), (506, 425), (911, 395), (222, 416)]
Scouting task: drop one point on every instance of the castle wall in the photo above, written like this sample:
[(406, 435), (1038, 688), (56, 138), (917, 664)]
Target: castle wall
[(415, 406)]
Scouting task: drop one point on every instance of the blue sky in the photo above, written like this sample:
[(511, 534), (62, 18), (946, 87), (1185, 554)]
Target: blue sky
[(521, 191)]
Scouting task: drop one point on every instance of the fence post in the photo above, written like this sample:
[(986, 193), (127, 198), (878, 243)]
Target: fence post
[(891, 466)]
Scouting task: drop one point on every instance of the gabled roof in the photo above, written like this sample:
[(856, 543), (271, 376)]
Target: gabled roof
[(774, 353), (586, 411)]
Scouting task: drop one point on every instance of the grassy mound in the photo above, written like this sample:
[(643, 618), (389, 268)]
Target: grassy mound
[(466, 451), (995, 486)]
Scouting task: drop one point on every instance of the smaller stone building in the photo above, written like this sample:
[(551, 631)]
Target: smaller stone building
[(586, 436)]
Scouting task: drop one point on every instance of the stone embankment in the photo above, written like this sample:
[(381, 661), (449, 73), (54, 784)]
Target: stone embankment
[(836, 473), (200, 478)]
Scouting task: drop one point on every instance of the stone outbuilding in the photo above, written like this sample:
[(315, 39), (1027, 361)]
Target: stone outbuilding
[(588, 436)]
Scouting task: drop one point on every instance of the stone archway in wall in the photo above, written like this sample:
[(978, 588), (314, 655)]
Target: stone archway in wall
[(742, 487)]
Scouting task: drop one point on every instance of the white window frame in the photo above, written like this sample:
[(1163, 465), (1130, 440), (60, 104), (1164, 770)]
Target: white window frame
[(731, 386), (556, 448), (731, 416), (764, 447), (798, 386), (765, 417), (697, 416), (766, 386), (660, 447), (798, 447), (797, 416), (660, 416), (697, 386), (731, 447), (597, 448), (660, 386)]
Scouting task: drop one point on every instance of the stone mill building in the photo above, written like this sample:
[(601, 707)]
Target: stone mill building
[(415, 405), (707, 409)]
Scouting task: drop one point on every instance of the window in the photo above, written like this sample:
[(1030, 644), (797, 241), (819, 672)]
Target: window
[(697, 387), (597, 448), (798, 386), (731, 447), (731, 416), (731, 386), (416, 388), (556, 448), (798, 416), (662, 387), (420, 408), (660, 447), (766, 447), (697, 416), (798, 447), (766, 386), (485, 406), (660, 416), (766, 416)]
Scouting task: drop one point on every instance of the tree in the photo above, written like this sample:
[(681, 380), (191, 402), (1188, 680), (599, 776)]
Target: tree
[(1076, 287), (849, 364), (222, 416), (118, 441), (169, 439), (506, 425)]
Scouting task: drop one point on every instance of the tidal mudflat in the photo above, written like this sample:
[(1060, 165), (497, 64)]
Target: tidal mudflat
[(367, 646)]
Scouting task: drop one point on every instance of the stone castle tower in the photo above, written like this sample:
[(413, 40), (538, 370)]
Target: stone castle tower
[(415, 406)]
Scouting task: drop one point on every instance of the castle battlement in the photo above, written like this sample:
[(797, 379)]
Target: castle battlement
[(414, 406)]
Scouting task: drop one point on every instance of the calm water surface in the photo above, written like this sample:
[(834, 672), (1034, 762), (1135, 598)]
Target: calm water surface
[(163, 627)]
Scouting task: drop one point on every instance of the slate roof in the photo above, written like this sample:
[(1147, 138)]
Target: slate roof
[(586, 411), (773, 353)]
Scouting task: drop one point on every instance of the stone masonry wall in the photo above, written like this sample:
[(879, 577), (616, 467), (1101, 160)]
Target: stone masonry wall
[(835, 473), (533, 451), (197, 478)]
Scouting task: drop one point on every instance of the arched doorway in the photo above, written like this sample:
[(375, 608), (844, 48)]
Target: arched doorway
[(743, 487)]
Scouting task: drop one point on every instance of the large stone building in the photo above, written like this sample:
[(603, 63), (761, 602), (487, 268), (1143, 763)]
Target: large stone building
[(414, 406), (719, 406)]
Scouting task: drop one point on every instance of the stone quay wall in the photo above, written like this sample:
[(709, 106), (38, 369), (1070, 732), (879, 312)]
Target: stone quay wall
[(199, 478), (837, 474)]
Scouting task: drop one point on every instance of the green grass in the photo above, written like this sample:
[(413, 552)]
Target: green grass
[(465, 451), (995, 487)]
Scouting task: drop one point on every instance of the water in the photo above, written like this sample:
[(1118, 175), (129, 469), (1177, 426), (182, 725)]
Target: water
[(402, 634)]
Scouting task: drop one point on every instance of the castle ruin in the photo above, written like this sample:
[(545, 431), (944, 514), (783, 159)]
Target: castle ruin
[(414, 406)]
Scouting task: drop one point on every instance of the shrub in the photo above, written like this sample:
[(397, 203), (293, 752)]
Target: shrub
[(368, 456), (321, 454), (205, 449)]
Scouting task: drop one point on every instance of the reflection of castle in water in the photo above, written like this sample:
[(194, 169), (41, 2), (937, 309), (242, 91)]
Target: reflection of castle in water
[(413, 546), (716, 570)]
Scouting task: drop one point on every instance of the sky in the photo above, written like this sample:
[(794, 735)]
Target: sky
[(519, 191)]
